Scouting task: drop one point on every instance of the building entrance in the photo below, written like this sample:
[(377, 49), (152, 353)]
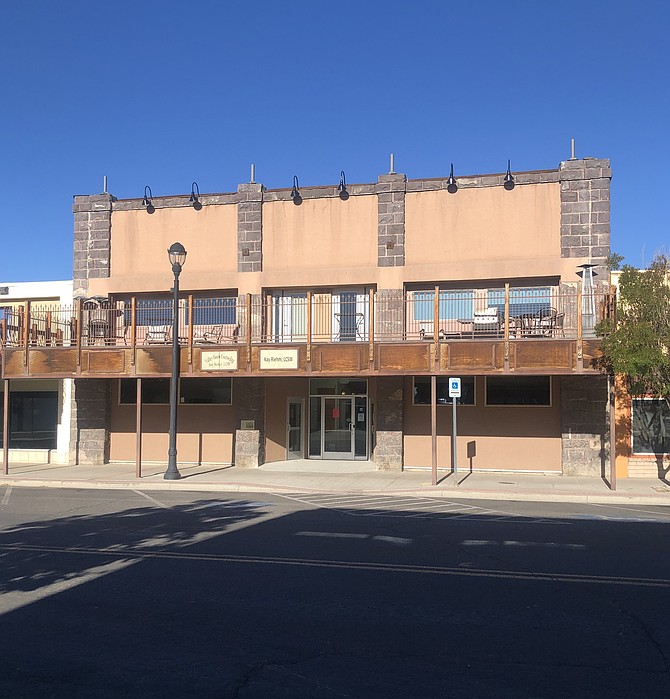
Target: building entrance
[(338, 422)]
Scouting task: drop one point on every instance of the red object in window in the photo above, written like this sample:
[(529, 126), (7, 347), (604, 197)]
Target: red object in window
[(336, 413)]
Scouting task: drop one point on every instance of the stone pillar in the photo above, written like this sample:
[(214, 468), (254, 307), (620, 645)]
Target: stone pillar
[(92, 237), (249, 402), (91, 398), (250, 227), (584, 425), (585, 209), (389, 314), (389, 432), (391, 220), (90, 421)]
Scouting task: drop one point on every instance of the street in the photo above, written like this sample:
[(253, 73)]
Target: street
[(132, 593)]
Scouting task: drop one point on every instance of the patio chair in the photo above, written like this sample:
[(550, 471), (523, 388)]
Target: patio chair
[(157, 335)]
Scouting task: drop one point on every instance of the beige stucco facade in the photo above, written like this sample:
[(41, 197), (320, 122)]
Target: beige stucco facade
[(320, 266)]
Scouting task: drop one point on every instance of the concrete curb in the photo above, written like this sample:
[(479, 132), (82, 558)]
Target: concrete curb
[(662, 499)]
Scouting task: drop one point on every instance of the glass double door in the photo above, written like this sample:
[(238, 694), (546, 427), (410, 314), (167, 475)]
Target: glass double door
[(344, 427)]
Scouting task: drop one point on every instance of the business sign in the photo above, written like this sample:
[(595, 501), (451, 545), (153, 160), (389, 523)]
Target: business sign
[(454, 388), (279, 359), (218, 361)]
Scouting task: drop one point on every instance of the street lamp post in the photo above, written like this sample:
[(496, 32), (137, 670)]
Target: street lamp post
[(177, 255)]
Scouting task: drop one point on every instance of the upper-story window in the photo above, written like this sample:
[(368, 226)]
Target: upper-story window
[(527, 301), (452, 304)]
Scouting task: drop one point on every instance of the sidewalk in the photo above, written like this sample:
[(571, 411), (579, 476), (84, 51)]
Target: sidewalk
[(344, 477)]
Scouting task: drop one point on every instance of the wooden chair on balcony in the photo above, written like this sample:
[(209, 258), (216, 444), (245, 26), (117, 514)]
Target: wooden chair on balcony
[(157, 335), (215, 336)]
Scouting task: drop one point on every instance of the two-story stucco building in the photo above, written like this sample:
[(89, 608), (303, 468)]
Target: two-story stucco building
[(312, 321)]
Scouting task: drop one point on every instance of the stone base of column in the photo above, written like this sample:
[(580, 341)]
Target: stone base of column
[(389, 434), (247, 448)]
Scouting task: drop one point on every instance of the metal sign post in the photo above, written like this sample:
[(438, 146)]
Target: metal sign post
[(454, 393)]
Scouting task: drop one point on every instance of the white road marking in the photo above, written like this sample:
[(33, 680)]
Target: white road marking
[(156, 502), (402, 541), (5, 497), (334, 535), (413, 508), (353, 565), (528, 544)]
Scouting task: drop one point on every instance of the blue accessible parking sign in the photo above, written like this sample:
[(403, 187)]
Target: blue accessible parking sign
[(454, 388)]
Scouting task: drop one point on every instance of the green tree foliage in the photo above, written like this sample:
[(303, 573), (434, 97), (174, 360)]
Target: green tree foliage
[(636, 342)]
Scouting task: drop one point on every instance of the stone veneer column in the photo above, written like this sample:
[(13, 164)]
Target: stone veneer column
[(90, 421), (391, 220), (584, 425), (390, 313), (249, 402), (92, 237), (250, 227), (389, 439), (585, 208), (91, 398)]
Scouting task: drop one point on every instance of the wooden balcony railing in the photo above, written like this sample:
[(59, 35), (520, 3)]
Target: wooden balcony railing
[(312, 318)]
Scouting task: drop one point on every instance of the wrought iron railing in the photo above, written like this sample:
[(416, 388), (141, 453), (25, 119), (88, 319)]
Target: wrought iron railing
[(313, 317)]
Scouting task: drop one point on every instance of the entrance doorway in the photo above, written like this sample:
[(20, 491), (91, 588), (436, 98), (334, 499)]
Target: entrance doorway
[(339, 426), (295, 409)]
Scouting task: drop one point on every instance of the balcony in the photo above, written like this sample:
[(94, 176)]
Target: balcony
[(500, 330)]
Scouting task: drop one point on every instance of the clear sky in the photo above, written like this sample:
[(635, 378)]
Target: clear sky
[(162, 93)]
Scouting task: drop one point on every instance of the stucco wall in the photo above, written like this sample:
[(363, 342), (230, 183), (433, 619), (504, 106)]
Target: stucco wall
[(506, 438), (205, 432)]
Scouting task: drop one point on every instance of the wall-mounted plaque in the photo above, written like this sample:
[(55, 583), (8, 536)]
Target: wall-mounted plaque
[(279, 359), (218, 361), (247, 424)]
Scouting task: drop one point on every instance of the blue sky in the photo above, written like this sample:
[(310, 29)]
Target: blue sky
[(164, 93)]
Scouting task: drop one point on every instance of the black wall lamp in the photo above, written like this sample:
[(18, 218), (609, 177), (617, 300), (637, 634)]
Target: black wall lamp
[(452, 185), (195, 197), (342, 192), (508, 182), (295, 192), (147, 201)]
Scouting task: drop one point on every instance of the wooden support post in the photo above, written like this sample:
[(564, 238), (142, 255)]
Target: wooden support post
[(26, 332), (5, 428), (506, 329), (309, 327), (190, 333), (47, 329), (371, 334), (436, 325), (133, 330), (611, 385), (580, 353), (433, 425), (138, 429), (248, 332), (78, 320)]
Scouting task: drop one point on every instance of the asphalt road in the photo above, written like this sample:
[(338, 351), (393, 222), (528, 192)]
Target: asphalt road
[(170, 594)]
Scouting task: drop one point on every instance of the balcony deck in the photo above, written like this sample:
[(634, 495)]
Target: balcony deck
[(247, 337)]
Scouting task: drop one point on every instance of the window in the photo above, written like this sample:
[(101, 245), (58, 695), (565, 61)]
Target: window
[(650, 426), (453, 305), (422, 391), (518, 390), (149, 312), (214, 390), (219, 311), (154, 391), (522, 302)]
